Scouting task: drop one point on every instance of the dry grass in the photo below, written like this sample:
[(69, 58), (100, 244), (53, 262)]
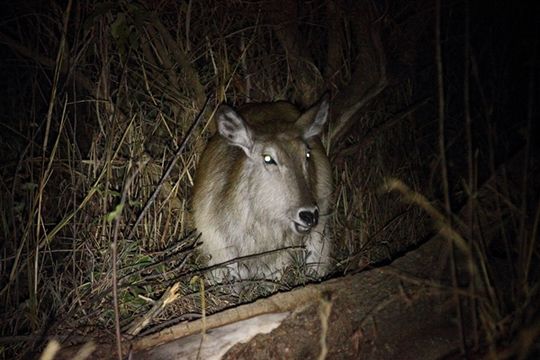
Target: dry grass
[(130, 90), (99, 117)]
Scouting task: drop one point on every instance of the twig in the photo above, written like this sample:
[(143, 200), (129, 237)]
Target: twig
[(203, 313), (355, 96), (188, 251), (50, 350), (526, 247), (444, 166), (177, 155), (245, 257), (168, 297), (441, 222), (471, 179), (117, 215), (278, 303), (377, 131), (169, 323)]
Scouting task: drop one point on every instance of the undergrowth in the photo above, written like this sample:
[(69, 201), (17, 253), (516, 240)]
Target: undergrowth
[(100, 100)]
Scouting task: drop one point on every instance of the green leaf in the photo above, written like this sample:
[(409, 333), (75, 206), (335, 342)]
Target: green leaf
[(115, 213)]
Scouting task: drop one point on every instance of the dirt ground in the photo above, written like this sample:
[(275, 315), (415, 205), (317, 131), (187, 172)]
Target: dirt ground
[(416, 331), (374, 315)]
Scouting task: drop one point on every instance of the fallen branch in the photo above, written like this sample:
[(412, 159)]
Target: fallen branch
[(278, 303)]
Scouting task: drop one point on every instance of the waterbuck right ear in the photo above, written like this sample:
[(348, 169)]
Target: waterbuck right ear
[(312, 121), (234, 129)]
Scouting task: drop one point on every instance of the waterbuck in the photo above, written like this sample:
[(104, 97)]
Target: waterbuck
[(264, 183)]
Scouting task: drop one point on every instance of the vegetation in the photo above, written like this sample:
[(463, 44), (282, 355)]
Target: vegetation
[(106, 108)]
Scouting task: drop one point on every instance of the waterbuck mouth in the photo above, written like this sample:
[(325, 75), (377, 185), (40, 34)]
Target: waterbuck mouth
[(301, 229)]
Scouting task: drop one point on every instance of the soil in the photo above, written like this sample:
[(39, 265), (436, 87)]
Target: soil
[(374, 315)]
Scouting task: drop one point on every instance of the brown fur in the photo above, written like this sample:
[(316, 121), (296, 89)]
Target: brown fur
[(244, 206)]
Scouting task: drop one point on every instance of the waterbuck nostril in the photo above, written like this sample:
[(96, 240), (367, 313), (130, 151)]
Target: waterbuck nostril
[(309, 218)]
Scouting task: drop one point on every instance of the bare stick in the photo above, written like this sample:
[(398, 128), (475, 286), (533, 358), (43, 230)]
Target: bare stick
[(117, 215), (169, 168), (374, 133), (471, 181), (527, 242), (444, 168), (168, 297)]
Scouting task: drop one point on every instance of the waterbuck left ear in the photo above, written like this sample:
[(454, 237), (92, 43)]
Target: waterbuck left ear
[(234, 128), (312, 121)]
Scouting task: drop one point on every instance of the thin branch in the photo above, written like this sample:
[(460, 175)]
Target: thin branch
[(117, 217), (368, 80), (377, 131), (177, 155), (444, 166)]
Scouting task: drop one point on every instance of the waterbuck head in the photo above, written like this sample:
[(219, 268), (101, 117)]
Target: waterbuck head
[(278, 154)]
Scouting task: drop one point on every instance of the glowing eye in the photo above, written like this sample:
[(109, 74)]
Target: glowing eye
[(308, 154), (269, 160)]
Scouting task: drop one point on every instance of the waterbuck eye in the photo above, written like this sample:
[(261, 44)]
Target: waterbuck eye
[(269, 160), (308, 154)]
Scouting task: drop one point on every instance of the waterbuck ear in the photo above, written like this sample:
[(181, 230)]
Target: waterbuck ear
[(234, 129), (312, 121)]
